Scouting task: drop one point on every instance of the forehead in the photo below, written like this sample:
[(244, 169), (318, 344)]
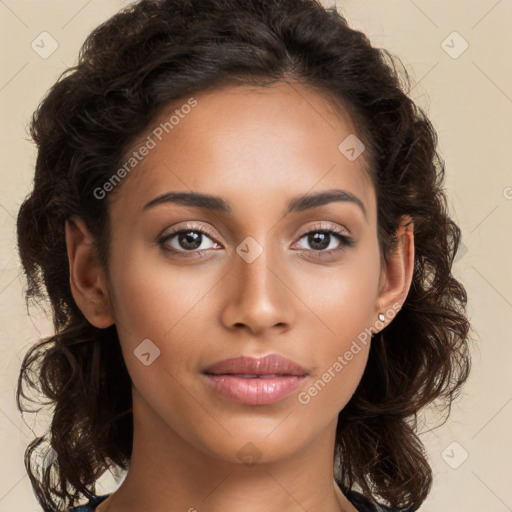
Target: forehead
[(248, 144)]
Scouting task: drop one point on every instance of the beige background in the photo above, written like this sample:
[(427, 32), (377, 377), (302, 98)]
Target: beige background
[(469, 99)]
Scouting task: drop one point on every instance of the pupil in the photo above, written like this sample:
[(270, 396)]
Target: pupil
[(319, 240), (190, 241)]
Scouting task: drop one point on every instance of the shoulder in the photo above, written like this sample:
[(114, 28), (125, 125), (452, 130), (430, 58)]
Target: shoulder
[(91, 505), (363, 504)]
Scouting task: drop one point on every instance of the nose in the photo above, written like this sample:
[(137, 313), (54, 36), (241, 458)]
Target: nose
[(259, 296)]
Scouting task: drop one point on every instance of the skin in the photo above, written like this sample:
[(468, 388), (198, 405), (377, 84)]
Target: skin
[(257, 148)]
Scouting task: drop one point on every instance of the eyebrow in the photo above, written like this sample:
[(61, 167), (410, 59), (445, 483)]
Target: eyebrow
[(297, 204)]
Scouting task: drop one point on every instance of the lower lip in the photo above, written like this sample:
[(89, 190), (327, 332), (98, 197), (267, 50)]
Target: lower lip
[(255, 391)]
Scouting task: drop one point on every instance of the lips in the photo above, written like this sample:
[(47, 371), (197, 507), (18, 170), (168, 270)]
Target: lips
[(255, 381), (249, 367)]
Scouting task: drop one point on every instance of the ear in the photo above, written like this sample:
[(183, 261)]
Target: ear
[(396, 274), (86, 275)]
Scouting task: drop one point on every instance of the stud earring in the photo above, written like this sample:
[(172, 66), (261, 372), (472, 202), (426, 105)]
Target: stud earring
[(382, 317)]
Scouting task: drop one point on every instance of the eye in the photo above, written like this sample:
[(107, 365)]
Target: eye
[(193, 239), (188, 239), (331, 238)]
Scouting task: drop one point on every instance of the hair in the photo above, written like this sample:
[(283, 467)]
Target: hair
[(152, 54)]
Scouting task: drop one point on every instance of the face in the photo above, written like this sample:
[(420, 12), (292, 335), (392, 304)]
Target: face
[(255, 270)]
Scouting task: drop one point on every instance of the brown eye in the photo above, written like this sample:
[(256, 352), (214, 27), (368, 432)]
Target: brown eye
[(326, 240), (187, 239)]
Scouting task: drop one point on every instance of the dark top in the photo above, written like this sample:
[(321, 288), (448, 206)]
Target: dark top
[(358, 500)]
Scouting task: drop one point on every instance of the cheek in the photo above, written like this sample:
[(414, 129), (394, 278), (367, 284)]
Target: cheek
[(329, 391), (152, 297), (161, 303), (341, 354), (344, 298), (344, 304)]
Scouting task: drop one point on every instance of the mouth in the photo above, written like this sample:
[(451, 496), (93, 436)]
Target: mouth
[(251, 367), (256, 376), (255, 381)]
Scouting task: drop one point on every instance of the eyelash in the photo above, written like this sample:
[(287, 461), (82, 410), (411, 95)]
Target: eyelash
[(345, 240)]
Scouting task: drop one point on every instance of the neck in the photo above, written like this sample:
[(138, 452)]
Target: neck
[(169, 473)]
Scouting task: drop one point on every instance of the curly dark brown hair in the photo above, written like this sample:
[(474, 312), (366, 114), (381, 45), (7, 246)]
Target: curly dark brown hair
[(154, 52)]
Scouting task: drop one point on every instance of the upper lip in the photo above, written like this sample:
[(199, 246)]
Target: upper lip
[(272, 364)]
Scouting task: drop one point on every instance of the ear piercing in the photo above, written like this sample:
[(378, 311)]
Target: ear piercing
[(381, 319)]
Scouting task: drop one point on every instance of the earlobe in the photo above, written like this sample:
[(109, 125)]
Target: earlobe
[(397, 272), (86, 275)]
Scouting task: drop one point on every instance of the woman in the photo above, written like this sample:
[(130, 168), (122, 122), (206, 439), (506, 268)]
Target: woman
[(239, 219)]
